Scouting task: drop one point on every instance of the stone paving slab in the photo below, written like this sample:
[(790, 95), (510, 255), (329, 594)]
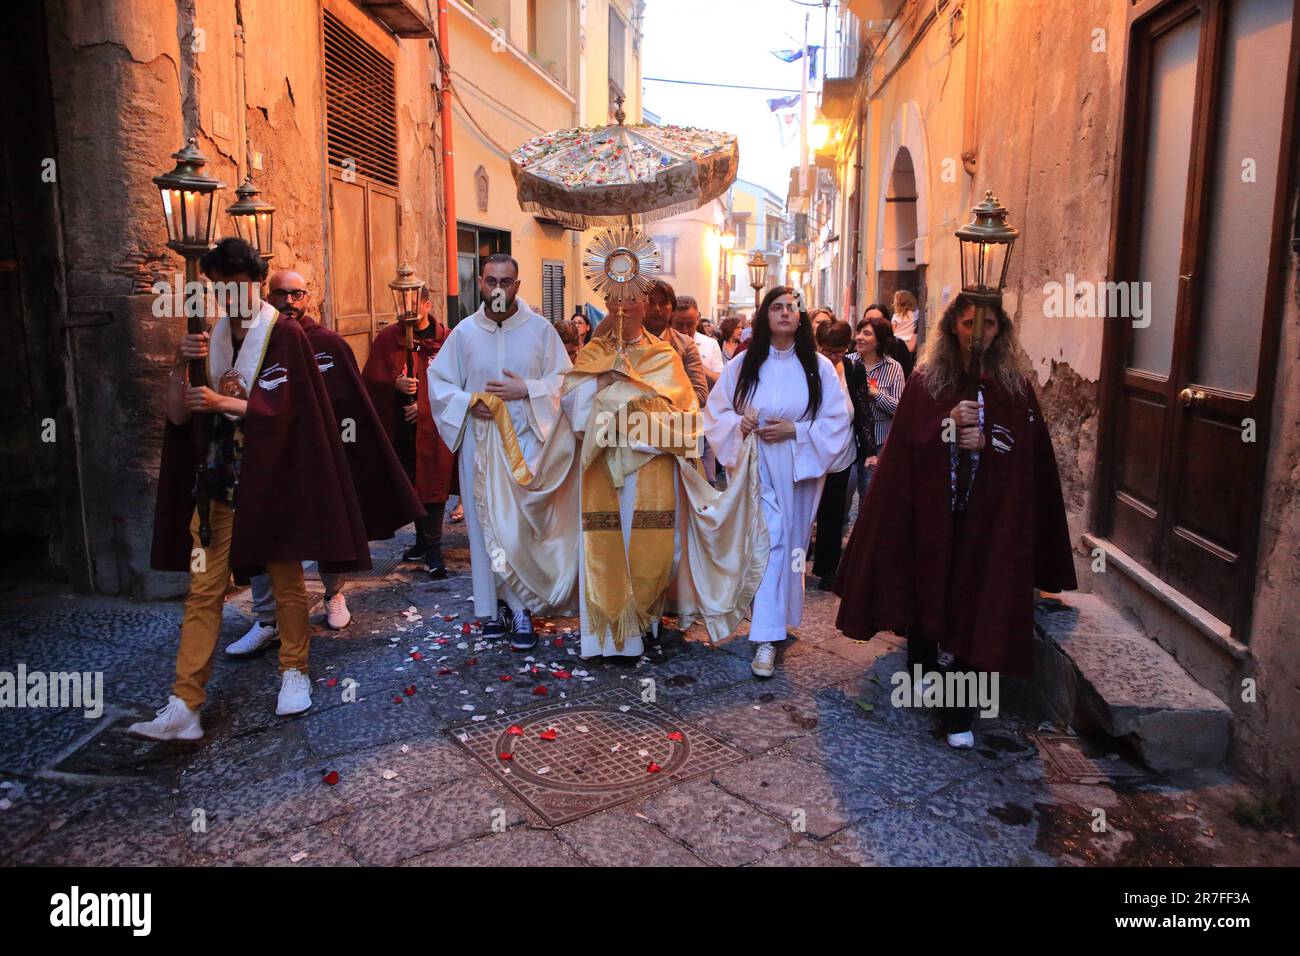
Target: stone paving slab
[(718, 827), (519, 846), (401, 829), (902, 837), (805, 794), (620, 838)]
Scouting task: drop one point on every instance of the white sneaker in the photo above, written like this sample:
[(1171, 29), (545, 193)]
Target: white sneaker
[(963, 741), (337, 615), (254, 639), (174, 722), (295, 693), (764, 663)]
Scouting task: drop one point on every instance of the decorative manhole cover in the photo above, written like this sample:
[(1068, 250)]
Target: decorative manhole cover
[(1068, 763), (608, 748)]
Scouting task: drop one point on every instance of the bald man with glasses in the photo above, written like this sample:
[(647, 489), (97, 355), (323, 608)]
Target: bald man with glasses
[(385, 496)]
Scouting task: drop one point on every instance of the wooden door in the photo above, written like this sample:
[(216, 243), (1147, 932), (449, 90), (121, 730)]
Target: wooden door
[(363, 258), (1206, 168)]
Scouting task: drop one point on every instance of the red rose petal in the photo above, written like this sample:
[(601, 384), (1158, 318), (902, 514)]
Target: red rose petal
[(676, 735), (417, 656), (471, 662), (505, 755), (445, 671), (332, 682), (548, 734), (410, 691), (653, 767), (562, 675), (397, 700), (514, 730), (331, 778), (505, 677), (540, 690), (465, 628), (558, 642)]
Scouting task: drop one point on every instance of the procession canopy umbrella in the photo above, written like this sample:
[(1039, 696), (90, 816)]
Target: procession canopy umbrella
[(622, 175)]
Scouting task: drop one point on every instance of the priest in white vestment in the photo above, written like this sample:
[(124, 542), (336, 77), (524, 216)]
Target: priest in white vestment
[(765, 393), (504, 360)]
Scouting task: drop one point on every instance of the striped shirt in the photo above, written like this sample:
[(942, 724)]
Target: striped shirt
[(889, 380)]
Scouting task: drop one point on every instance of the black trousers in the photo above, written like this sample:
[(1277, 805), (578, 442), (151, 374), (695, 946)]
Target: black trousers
[(830, 525), (428, 531), (921, 650)]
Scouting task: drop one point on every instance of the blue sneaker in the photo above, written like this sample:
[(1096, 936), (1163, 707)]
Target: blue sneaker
[(522, 637), (500, 625)]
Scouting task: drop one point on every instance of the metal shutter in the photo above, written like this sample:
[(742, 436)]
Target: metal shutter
[(360, 105), (553, 290)]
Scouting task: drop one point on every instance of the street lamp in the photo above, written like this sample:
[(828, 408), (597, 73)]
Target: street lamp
[(757, 273), (407, 293), (254, 218), (189, 204)]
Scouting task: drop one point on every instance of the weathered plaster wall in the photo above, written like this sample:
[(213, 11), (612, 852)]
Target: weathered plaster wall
[(131, 79)]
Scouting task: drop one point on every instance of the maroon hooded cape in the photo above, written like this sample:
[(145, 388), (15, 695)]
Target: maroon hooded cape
[(387, 499), (434, 463), (295, 500), (968, 583)]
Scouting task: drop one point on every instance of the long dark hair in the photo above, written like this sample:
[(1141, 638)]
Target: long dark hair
[(805, 349), (940, 364)]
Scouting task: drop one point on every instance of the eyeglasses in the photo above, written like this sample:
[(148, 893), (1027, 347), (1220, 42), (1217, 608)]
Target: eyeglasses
[(297, 295), (492, 282)]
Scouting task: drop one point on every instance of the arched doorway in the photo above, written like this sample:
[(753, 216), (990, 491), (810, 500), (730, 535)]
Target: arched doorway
[(901, 249), (898, 266)]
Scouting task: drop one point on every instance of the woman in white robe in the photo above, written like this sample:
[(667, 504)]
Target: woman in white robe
[(789, 398)]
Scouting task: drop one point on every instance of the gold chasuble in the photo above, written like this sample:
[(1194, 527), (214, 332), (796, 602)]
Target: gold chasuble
[(645, 422), (654, 406)]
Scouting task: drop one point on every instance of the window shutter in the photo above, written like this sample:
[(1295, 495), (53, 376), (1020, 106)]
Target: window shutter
[(360, 105), (553, 290)]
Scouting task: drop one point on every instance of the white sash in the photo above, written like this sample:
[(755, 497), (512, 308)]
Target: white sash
[(249, 363)]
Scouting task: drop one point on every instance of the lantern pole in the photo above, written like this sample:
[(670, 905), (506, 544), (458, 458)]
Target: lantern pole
[(407, 289), (188, 197)]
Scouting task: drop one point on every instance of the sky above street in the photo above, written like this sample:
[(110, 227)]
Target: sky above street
[(730, 41)]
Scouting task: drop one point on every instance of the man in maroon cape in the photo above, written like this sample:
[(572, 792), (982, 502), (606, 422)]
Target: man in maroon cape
[(271, 435), (403, 408), (387, 499), (964, 517)]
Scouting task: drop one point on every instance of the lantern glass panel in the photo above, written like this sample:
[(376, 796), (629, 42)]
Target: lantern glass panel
[(171, 206), (265, 222), (210, 219)]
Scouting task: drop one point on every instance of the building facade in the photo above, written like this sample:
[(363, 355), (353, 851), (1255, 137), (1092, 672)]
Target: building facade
[(1147, 151), (758, 220), (521, 68)]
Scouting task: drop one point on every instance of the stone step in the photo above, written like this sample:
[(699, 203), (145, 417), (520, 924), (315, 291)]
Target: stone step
[(1098, 671)]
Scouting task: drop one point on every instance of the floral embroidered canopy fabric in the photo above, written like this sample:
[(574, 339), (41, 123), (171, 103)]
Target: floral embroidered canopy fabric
[(602, 176)]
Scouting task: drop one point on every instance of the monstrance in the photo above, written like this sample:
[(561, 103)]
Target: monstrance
[(621, 264)]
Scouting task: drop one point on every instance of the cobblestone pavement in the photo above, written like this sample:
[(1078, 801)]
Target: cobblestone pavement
[(811, 768)]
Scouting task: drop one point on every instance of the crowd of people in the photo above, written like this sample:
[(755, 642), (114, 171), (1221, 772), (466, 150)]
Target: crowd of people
[(652, 463)]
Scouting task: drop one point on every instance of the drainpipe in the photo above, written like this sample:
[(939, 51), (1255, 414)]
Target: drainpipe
[(448, 166), (971, 101)]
